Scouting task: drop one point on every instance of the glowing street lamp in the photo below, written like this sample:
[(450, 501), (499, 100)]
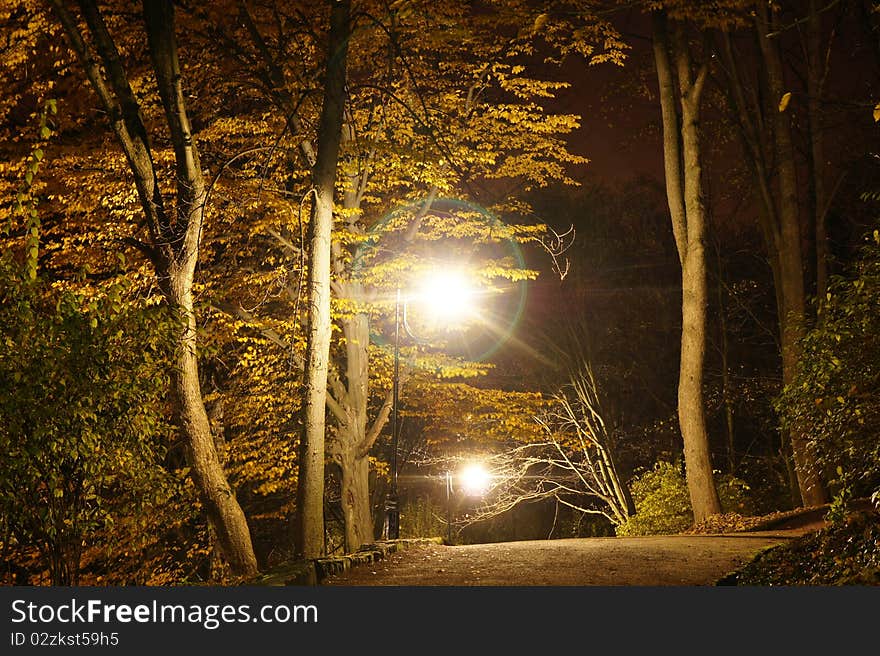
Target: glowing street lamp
[(445, 295), (475, 480)]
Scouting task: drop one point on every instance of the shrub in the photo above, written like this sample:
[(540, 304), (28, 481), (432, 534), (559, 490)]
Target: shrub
[(82, 429), (833, 398), (663, 504)]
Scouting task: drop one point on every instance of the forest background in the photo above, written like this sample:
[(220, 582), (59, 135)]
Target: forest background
[(166, 173)]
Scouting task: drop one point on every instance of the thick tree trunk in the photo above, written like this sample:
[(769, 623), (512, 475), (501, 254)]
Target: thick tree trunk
[(684, 193), (358, 516), (174, 243), (691, 413), (309, 528), (225, 514), (691, 407), (355, 475), (223, 509)]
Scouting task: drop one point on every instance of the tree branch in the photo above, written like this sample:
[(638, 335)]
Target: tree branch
[(125, 119), (159, 18)]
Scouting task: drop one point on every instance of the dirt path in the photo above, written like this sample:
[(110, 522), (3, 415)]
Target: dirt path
[(683, 560)]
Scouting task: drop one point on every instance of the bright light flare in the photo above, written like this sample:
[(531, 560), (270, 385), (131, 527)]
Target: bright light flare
[(475, 480), (447, 295)]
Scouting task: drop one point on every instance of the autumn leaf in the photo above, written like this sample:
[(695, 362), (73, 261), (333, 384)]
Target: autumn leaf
[(540, 21), (877, 112), (783, 103)]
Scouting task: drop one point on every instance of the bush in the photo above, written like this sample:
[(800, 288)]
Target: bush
[(833, 398), (82, 429), (663, 504), (844, 553)]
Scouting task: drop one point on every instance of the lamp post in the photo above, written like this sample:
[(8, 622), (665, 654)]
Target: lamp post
[(448, 507), (449, 294), (392, 510)]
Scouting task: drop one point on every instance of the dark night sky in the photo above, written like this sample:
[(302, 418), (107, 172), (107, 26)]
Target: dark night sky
[(617, 139), (619, 111)]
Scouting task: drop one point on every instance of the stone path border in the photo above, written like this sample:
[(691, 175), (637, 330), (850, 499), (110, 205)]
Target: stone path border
[(312, 572)]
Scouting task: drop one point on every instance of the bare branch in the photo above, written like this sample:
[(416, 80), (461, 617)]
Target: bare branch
[(556, 244), (573, 466)]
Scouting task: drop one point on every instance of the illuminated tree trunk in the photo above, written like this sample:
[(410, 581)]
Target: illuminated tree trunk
[(355, 436), (226, 516), (346, 384), (352, 459), (174, 241), (309, 535), (681, 151), (355, 479)]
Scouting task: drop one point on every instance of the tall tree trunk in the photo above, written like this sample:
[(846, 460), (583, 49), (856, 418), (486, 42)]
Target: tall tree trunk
[(356, 499), (815, 84), (174, 242), (348, 445), (681, 151), (765, 132), (725, 372), (309, 529), (790, 249), (224, 512), (223, 509)]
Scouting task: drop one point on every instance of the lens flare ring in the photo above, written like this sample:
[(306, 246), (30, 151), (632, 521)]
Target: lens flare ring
[(458, 296)]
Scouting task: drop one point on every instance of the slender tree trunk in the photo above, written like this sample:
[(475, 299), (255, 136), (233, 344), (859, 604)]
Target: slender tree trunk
[(684, 194), (729, 423), (765, 133), (309, 534), (817, 71), (691, 407), (815, 75), (725, 373), (624, 506)]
